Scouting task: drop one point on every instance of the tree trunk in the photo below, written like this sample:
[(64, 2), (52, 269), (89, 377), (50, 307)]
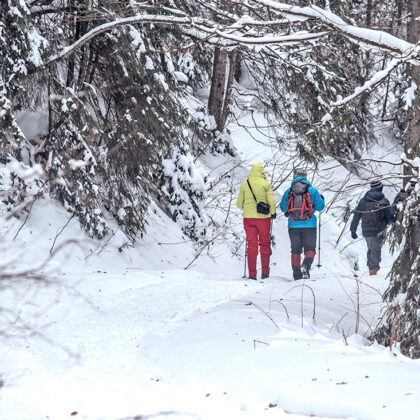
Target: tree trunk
[(233, 55), (218, 86), (224, 67), (369, 13)]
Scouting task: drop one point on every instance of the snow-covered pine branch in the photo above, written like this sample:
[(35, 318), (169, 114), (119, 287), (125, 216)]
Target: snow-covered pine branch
[(363, 36), (246, 31), (203, 29), (377, 78)]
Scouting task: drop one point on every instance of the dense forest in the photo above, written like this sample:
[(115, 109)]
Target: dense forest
[(113, 86)]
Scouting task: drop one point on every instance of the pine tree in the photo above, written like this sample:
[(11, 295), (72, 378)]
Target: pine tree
[(401, 320), (21, 48)]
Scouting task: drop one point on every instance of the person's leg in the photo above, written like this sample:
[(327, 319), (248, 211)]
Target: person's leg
[(296, 244), (264, 242), (375, 252), (369, 245), (309, 246), (252, 249)]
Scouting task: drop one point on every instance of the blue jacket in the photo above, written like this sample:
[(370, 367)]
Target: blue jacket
[(318, 204), (385, 217), (399, 197)]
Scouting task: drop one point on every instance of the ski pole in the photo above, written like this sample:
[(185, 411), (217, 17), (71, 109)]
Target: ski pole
[(271, 241), (246, 246), (319, 242)]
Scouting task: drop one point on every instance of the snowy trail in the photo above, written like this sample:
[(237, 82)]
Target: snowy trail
[(112, 339), (310, 371), (183, 342)]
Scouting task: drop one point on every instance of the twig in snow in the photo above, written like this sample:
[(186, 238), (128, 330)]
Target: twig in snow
[(26, 219), (338, 322), (261, 342), (313, 295), (266, 314), (161, 414), (60, 232), (345, 337), (284, 306)]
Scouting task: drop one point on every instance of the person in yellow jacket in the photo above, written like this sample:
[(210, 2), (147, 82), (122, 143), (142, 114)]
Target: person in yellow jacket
[(256, 189)]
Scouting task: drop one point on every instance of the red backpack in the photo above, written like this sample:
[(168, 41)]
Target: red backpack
[(299, 205)]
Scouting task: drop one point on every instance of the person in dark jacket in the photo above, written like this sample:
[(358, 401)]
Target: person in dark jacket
[(376, 213), (402, 195), (302, 231)]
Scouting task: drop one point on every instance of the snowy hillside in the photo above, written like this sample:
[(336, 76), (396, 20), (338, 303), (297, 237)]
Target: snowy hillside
[(168, 330)]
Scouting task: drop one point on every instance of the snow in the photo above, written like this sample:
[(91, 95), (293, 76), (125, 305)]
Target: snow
[(409, 96), (161, 79), (295, 37), (180, 76), (123, 330), (37, 43)]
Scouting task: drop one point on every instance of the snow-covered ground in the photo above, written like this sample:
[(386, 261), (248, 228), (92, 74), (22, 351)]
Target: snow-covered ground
[(121, 331)]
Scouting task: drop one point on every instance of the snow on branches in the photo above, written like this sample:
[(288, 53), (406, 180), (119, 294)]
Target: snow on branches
[(246, 31)]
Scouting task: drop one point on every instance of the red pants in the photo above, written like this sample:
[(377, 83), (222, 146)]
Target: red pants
[(258, 233)]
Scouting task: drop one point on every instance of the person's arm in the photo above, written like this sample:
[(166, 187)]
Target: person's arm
[(283, 203), (389, 212), (318, 202), (241, 198), (271, 200), (356, 218), (397, 198)]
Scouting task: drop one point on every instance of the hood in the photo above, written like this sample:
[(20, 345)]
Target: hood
[(374, 195), (257, 171), (300, 178)]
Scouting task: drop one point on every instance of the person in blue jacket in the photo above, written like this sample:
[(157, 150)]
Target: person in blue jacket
[(403, 195), (299, 203)]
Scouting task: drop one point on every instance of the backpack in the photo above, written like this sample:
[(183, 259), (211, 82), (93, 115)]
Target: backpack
[(372, 215), (299, 205)]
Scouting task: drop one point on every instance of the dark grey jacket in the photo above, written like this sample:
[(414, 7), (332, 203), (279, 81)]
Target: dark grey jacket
[(376, 207)]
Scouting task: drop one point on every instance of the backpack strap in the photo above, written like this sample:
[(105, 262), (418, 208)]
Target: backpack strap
[(290, 204), (308, 205), (251, 190)]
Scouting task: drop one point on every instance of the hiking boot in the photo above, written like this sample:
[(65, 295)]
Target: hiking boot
[(252, 278), (265, 276), (373, 272), (297, 272), (305, 272)]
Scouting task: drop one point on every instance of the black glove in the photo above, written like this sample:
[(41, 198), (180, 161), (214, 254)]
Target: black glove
[(273, 216), (354, 235)]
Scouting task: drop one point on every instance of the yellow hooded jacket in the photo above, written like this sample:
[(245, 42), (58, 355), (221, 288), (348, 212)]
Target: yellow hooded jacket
[(262, 190)]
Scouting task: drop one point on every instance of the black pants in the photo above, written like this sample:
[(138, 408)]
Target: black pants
[(374, 251), (302, 239)]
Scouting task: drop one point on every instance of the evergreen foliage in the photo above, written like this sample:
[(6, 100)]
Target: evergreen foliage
[(401, 321), (21, 48)]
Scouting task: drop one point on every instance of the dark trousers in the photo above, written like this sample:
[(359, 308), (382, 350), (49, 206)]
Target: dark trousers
[(302, 239), (374, 245)]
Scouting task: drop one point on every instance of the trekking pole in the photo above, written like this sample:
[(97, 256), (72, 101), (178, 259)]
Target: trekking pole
[(246, 246), (319, 242), (271, 242)]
